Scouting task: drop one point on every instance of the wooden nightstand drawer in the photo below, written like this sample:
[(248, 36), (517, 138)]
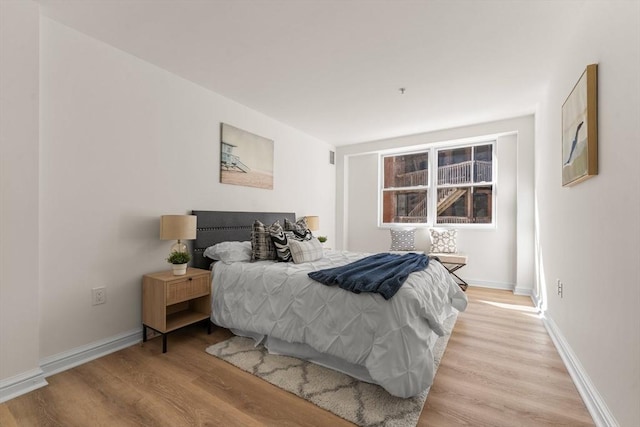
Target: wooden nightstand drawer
[(187, 289)]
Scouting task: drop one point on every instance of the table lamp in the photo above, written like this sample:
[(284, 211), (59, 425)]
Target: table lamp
[(313, 222), (178, 227)]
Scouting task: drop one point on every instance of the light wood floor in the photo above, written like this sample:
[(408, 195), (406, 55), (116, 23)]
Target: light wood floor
[(500, 369)]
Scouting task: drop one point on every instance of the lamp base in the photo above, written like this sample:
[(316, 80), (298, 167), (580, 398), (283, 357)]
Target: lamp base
[(179, 247)]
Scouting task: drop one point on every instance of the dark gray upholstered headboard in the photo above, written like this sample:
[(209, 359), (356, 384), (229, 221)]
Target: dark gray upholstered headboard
[(220, 226)]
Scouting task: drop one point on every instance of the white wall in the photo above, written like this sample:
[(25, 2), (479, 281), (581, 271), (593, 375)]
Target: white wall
[(19, 336), (500, 256), (121, 143), (589, 234)]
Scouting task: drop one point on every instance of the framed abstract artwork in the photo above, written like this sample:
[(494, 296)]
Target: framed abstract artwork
[(245, 159), (580, 129)]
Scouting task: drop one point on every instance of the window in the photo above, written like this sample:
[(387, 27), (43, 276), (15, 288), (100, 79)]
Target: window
[(460, 199), (405, 188), (464, 186)]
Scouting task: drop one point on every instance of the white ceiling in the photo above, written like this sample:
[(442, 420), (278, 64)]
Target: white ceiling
[(333, 69)]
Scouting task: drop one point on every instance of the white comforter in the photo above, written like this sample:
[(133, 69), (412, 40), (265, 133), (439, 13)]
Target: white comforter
[(391, 339)]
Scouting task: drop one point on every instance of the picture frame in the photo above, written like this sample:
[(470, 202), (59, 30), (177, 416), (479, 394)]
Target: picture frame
[(245, 158), (580, 129)]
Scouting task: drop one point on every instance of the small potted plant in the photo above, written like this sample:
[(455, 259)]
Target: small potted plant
[(179, 261), (322, 239)]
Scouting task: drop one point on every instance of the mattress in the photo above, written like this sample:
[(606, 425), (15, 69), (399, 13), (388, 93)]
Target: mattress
[(386, 342)]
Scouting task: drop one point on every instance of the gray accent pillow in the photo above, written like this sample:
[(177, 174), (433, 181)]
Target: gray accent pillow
[(403, 239)]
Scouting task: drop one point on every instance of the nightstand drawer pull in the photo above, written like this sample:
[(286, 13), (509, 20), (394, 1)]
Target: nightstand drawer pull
[(187, 289)]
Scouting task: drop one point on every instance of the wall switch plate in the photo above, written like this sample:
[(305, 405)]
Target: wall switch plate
[(98, 295)]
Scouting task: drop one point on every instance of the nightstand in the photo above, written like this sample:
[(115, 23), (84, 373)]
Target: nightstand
[(171, 302)]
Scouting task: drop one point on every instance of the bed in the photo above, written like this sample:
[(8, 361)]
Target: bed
[(385, 342)]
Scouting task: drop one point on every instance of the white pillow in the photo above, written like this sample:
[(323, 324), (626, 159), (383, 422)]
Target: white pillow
[(229, 251), (444, 241), (423, 240), (305, 250), (403, 239)]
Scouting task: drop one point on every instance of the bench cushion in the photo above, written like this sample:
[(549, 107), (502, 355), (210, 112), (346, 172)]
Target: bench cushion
[(455, 258)]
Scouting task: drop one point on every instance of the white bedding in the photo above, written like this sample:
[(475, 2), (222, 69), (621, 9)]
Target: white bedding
[(391, 339)]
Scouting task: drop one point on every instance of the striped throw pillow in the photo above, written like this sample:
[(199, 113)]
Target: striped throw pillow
[(262, 248)]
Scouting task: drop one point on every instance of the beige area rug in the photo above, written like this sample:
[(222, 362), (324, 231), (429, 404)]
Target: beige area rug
[(359, 402)]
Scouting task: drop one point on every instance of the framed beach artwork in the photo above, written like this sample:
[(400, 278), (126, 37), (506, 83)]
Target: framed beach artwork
[(245, 158), (580, 129)]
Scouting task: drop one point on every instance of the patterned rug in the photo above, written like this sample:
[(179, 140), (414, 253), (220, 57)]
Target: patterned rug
[(359, 402)]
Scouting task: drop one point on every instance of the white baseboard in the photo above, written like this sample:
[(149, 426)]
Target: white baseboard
[(598, 409), (523, 291), (492, 285), (21, 384), (502, 286), (83, 354), (35, 378), (535, 300)]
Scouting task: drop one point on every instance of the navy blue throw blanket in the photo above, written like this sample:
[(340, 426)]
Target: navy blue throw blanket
[(383, 273)]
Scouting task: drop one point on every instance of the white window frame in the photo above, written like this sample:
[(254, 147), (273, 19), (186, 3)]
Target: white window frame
[(432, 185)]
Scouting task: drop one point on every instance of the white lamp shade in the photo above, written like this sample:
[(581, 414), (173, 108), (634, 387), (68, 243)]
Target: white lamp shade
[(313, 222), (178, 227)]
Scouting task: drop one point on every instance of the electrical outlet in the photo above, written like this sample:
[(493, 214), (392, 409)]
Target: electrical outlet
[(560, 288), (98, 295)]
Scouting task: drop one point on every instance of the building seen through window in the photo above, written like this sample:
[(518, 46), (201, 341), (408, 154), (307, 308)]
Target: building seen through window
[(463, 192)]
